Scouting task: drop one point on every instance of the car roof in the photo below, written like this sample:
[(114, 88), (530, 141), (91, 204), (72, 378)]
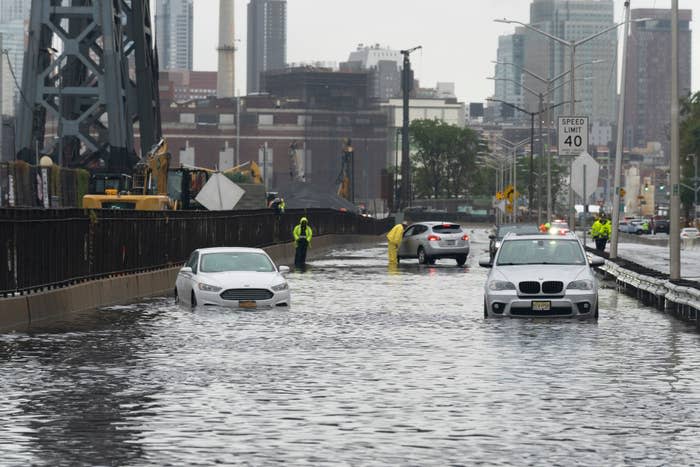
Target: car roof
[(434, 223), (539, 236), (230, 250)]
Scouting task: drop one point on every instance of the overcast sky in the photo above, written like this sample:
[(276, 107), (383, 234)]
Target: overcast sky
[(459, 37)]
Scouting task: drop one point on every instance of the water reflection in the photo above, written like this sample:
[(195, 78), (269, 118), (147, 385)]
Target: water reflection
[(371, 365)]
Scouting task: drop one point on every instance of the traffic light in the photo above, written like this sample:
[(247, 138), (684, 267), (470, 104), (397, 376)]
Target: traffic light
[(646, 187), (662, 187)]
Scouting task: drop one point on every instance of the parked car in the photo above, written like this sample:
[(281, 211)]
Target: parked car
[(235, 277), (541, 276), (629, 227), (641, 226), (502, 230), (559, 227), (662, 226), (689, 233), (430, 241)]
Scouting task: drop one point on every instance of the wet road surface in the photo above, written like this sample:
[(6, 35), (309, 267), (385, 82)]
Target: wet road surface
[(369, 366)]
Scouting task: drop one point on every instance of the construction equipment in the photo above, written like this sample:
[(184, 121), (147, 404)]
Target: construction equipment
[(347, 169), (151, 173), (249, 169)]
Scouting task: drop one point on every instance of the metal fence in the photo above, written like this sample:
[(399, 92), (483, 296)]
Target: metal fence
[(46, 248)]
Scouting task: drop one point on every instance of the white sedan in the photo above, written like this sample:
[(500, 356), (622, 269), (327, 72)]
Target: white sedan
[(235, 277)]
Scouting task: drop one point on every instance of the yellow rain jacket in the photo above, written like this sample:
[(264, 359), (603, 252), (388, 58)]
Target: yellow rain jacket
[(394, 237), (297, 232), (597, 229)]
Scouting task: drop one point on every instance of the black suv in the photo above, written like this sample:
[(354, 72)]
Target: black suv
[(662, 226)]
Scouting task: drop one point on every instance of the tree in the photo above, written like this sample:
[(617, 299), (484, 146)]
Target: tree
[(443, 159), (690, 144)]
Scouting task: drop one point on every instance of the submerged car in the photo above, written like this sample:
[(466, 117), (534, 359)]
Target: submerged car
[(430, 241), (541, 275), (233, 277), (502, 230)]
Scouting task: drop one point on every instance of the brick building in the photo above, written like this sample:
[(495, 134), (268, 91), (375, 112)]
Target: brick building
[(203, 132)]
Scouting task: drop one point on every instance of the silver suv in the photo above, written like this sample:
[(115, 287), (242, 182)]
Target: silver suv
[(430, 241), (541, 276)]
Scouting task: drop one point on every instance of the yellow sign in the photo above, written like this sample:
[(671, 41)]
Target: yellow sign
[(622, 192)]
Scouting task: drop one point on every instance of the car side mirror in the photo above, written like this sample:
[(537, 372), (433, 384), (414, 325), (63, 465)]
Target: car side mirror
[(186, 269), (284, 269), (485, 262), (596, 262)]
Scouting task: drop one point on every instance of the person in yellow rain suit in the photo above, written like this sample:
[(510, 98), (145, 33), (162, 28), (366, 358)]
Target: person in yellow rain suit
[(394, 237), (302, 241)]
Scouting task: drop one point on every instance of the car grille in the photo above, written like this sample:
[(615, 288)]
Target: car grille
[(529, 287), (552, 287), (246, 294), (555, 311)]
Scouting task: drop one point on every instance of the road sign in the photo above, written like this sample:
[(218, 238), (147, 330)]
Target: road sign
[(592, 168), (573, 135)]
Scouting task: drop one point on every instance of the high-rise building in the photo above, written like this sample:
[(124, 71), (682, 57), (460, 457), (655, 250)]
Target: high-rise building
[(13, 35), (174, 34), (384, 66), (596, 83), (648, 99), (267, 39), (509, 75), (11, 10)]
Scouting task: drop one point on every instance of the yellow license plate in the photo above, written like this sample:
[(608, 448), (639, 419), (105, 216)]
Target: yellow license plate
[(248, 304), (541, 306)]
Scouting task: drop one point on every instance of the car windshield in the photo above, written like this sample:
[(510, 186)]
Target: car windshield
[(541, 251), (236, 261), (447, 228), (520, 229)]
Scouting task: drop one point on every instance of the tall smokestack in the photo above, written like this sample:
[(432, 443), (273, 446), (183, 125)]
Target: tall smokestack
[(226, 79)]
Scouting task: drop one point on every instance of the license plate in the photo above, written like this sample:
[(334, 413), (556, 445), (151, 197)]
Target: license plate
[(247, 304), (541, 306), (450, 242)]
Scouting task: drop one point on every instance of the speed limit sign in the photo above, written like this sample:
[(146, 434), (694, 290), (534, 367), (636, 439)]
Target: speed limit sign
[(573, 135)]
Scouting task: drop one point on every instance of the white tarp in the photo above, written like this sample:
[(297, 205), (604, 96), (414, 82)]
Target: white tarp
[(220, 194), (592, 172)]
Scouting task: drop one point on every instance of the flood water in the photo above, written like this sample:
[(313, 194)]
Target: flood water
[(369, 366)]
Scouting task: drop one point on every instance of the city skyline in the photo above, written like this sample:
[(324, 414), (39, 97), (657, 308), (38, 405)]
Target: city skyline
[(332, 37)]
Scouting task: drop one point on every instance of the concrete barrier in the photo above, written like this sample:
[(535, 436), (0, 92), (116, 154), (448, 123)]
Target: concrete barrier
[(18, 313)]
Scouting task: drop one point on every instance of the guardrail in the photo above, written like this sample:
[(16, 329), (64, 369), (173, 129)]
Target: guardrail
[(42, 248), (680, 298)]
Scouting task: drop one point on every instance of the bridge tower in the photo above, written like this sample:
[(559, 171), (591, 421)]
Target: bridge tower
[(91, 66)]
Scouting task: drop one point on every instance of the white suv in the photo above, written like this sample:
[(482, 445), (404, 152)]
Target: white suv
[(541, 276)]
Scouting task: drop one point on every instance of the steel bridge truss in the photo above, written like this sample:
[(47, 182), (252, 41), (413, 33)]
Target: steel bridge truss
[(91, 66)]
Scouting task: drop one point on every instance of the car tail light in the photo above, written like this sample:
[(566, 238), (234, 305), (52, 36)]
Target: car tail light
[(563, 232), (465, 238), (433, 238)]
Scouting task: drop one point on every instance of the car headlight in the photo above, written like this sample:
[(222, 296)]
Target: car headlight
[(580, 285), (280, 287), (501, 285), (208, 288)]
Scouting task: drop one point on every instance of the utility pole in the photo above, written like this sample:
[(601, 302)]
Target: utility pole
[(675, 212), (407, 87), (614, 237)]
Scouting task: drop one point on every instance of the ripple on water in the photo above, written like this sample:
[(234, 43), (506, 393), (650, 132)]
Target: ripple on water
[(370, 365)]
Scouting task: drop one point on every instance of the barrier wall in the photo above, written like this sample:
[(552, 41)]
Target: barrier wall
[(18, 313)]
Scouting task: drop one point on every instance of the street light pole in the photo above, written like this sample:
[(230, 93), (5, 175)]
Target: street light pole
[(407, 86), (614, 236), (675, 214)]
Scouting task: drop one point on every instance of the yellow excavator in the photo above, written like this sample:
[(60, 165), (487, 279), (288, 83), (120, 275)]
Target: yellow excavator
[(149, 188), (249, 169)]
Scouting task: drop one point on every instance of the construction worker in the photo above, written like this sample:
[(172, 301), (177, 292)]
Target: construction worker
[(302, 241), (600, 232), (394, 237)]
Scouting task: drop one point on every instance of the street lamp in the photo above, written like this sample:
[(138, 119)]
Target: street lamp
[(513, 147), (572, 46)]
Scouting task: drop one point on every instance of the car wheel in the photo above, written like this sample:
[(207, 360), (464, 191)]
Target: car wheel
[(461, 260), (431, 260), (177, 297), (422, 257), (486, 311), (595, 315), (193, 300)]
